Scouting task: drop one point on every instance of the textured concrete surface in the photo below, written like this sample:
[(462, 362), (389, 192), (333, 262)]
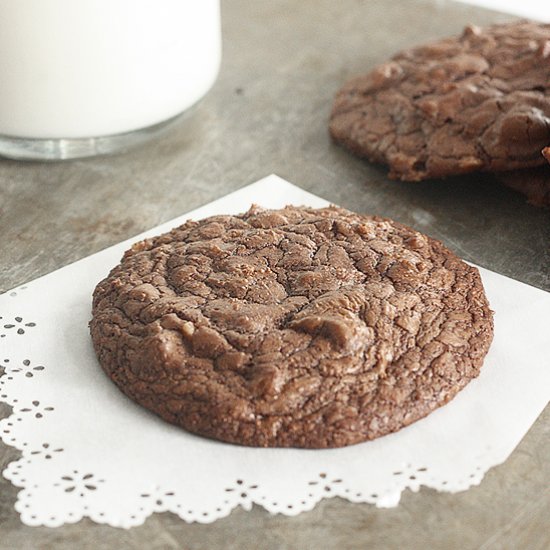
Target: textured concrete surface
[(283, 61)]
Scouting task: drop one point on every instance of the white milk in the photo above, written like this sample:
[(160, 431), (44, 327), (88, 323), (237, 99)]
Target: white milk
[(88, 68)]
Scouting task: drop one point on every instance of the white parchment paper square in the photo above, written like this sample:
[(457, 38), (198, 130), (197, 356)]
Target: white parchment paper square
[(89, 451)]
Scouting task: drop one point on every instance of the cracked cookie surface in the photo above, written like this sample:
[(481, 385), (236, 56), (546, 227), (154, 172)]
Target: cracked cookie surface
[(296, 327), (480, 101)]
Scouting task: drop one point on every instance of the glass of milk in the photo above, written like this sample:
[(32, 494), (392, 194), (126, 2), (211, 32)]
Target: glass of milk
[(86, 77)]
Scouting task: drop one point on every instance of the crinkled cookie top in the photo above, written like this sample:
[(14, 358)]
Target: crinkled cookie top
[(480, 101), (296, 327)]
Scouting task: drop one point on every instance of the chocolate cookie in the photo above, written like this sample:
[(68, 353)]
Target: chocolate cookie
[(295, 328), (533, 183), (480, 101)]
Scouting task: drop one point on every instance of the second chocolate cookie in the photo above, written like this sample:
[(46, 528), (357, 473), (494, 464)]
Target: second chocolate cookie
[(479, 101)]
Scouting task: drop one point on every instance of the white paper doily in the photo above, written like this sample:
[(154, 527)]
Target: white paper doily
[(90, 452)]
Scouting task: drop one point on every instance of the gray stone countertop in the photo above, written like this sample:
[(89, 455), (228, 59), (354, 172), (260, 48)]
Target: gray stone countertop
[(267, 113)]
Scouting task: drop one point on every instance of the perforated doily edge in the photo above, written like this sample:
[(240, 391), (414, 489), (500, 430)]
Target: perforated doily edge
[(344, 491)]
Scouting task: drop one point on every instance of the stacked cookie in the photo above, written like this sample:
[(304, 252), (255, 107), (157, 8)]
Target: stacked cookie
[(534, 183), (478, 102)]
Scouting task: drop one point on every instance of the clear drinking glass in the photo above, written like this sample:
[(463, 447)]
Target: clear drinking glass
[(86, 77)]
